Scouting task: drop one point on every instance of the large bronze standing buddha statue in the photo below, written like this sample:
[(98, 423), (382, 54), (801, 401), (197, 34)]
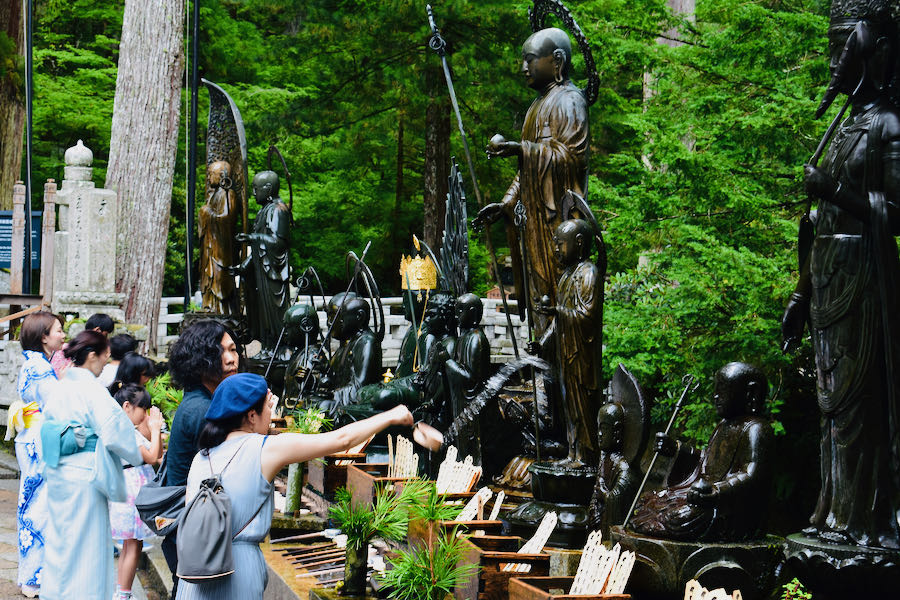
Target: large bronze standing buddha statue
[(553, 159), (849, 284)]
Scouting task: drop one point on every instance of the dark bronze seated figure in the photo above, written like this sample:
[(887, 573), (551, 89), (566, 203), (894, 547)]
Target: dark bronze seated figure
[(301, 328), (724, 497), (439, 331), (617, 479), (357, 362)]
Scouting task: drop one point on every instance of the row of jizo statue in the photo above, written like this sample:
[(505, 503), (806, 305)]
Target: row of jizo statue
[(848, 287)]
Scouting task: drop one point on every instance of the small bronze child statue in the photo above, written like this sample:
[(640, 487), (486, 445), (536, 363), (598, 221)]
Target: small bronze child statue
[(617, 479)]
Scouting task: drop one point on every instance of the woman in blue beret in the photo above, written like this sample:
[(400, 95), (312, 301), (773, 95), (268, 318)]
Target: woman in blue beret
[(238, 422)]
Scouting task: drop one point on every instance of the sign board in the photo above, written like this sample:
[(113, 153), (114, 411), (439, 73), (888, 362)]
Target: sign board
[(6, 239)]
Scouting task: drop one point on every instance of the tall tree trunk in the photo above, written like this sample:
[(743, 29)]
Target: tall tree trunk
[(12, 103), (437, 154), (397, 236), (142, 149)]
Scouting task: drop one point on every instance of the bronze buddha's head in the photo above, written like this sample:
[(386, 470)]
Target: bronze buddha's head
[(469, 309), (610, 427), (740, 389), (265, 187), (353, 319), (546, 57), (572, 241), (301, 324)]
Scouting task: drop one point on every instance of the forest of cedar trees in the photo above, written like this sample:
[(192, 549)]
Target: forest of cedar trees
[(699, 135)]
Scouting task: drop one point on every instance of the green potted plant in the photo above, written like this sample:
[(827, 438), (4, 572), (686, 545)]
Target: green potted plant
[(301, 420), (426, 514), (165, 396), (386, 518), (428, 572)]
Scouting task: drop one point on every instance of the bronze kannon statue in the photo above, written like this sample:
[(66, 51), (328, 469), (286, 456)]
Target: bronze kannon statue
[(226, 200), (553, 159), (718, 494), (216, 221), (849, 284), (266, 269)]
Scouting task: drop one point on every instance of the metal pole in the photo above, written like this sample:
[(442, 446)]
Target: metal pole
[(688, 381), (521, 220), (437, 43), (29, 93), (192, 156)]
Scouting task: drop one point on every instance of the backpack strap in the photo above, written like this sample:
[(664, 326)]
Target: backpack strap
[(209, 460), (266, 499)]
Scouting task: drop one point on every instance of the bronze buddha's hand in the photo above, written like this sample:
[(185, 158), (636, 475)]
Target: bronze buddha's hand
[(487, 215), (818, 183), (793, 321), (544, 306), (499, 148), (665, 445), (702, 493)]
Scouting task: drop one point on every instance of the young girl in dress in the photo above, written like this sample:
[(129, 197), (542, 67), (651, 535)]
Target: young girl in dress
[(126, 524)]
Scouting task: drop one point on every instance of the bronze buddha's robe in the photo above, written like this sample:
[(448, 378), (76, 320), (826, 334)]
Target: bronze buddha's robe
[(465, 373), (855, 287), (216, 222), (578, 329), (270, 297), (555, 141), (355, 364), (617, 483)]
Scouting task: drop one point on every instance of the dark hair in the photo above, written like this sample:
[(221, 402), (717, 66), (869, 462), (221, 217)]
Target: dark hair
[(215, 432), (198, 352), (134, 393), (84, 343), (132, 367), (120, 345), (101, 321), (34, 328)]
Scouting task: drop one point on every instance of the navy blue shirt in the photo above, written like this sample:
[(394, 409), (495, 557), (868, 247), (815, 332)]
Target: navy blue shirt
[(190, 418)]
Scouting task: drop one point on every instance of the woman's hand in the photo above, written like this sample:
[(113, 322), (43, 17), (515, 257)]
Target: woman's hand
[(154, 419), (400, 415)]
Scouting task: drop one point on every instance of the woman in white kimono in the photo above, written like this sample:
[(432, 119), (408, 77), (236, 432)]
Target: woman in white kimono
[(41, 335), (83, 426)]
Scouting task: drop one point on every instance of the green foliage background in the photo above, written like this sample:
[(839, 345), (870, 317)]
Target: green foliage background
[(696, 152)]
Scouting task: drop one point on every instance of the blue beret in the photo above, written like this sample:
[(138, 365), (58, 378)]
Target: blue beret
[(236, 395)]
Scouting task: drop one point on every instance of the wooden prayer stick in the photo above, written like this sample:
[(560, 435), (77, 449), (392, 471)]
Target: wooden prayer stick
[(305, 555), (327, 561), (319, 573), (304, 536), (333, 581), (312, 559), (301, 549)]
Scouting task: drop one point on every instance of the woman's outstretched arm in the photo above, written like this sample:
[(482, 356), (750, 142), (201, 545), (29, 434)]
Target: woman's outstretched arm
[(287, 448)]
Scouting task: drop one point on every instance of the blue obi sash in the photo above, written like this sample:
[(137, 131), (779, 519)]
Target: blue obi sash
[(62, 439)]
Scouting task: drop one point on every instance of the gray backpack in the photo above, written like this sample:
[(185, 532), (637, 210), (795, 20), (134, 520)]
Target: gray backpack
[(204, 533)]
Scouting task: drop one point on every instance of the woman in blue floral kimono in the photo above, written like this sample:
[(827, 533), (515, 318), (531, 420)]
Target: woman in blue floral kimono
[(41, 335)]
